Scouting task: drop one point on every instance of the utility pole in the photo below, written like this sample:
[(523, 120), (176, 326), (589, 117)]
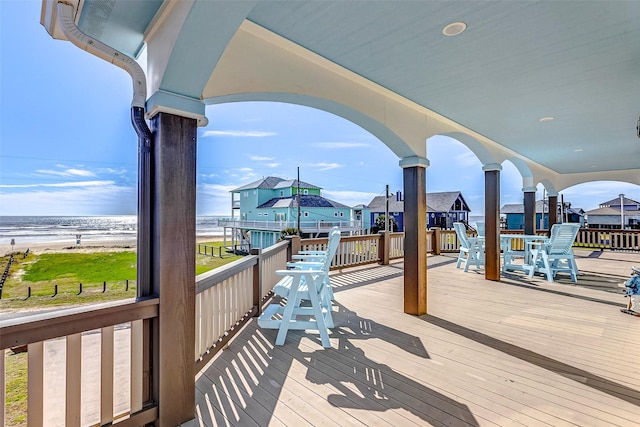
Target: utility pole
[(386, 211), (299, 212), (621, 211)]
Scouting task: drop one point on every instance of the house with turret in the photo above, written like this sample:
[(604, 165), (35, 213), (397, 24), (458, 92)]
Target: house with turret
[(264, 210)]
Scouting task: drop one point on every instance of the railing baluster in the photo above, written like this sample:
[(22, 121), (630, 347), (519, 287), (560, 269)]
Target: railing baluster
[(137, 352), (35, 387), (2, 387), (73, 380), (106, 380)]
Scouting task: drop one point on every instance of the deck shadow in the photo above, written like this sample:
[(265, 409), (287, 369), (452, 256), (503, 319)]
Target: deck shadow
[(571, 372), (254, 383), (515, 281)]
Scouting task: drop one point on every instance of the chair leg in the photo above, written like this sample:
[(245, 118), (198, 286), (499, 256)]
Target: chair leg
[(287, 315), (320, 317), (547, 267)]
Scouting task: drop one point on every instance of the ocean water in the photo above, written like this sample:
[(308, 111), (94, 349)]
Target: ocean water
[(45, 229)]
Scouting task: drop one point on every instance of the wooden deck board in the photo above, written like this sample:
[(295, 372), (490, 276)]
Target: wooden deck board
[(516, 352)]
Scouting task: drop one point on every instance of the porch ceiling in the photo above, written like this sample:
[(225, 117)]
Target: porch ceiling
[(516, 63)]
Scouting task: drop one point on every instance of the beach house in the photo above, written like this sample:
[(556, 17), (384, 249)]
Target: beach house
[(264, 210), (513, 215), (617, 213), (443, 209)]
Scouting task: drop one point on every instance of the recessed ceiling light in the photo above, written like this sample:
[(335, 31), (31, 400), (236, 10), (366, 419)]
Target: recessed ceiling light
[(546, 119), (454, 28)]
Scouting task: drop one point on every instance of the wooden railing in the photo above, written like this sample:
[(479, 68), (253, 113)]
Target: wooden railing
[(97, 341), (620, 240), (227, 297), (102, 346), (396, 245)]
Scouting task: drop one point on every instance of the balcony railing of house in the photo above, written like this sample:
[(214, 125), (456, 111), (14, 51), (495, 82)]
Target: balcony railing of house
[(106, 341), (305, 226)]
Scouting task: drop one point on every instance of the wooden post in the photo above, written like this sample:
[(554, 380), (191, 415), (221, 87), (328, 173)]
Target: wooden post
[(257, 281), (437, 241), (294, 247), (383, 251), (173, 264), (529, 210), (415, 240), (492, 221), (553, 211)]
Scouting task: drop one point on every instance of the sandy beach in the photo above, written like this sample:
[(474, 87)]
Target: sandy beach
[(96, 244)]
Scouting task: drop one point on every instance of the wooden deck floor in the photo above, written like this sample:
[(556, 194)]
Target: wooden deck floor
[(515, 352)]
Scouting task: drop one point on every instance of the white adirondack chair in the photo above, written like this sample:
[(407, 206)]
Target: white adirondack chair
[(471, 248), (309, 281), (556, 255)]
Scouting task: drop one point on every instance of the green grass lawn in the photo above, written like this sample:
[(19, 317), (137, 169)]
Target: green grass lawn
[(40, 274)]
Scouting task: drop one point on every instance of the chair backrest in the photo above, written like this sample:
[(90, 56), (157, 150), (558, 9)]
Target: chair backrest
[(562, 238), (461, 232), (480, 228), (332, 248)]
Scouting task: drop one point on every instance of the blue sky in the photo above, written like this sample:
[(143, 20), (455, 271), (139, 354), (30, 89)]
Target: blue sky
[(67, 146)]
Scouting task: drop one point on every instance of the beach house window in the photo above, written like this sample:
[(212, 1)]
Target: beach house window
[(335, 214), (246, 194), (305, 213), (305, 191), (341, 213), (279, 216), (281, 193)]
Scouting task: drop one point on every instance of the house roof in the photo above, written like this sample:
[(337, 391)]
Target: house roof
[(606, 211), (436, 202), (616, 202), (294, 183), (273, 183), (377, 204), (443, 201), (306, 201), (518, 208), (541, 207)]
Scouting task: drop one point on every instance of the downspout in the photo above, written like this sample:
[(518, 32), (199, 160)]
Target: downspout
[(67, 23)]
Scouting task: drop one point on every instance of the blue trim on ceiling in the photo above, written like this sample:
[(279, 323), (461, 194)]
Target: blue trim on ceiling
[(204, 36), (120, 25)]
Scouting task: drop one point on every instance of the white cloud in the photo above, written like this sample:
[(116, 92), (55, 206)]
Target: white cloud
[(261, 159), (62, 184), (120, 171), (238, 133), (273, 165), (67, 172), (335, 145), (349, 198), (249, 170), (468, 159), (325, 166)]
